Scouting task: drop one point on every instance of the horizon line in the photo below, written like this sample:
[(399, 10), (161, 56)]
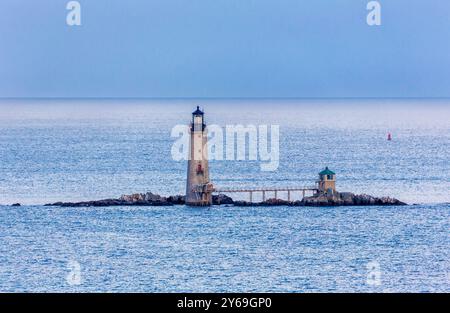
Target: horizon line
[(224, 98)]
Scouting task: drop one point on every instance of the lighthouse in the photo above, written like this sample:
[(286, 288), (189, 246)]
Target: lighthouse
[(198, 187)]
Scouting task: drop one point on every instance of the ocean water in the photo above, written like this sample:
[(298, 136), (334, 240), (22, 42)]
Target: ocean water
[(55, 150)]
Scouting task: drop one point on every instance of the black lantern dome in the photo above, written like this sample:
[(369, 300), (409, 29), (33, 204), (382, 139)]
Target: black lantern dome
[(198, 123)]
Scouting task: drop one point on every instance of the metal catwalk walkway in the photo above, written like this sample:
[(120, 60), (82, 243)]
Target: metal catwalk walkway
[(289, 190)]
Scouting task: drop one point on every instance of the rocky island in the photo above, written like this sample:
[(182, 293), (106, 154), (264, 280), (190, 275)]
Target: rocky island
[(318, 200)]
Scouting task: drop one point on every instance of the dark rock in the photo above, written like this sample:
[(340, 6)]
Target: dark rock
[(348, 199), (221, 199), (275, 202), (177, 199), (15, 204), (137, 199)]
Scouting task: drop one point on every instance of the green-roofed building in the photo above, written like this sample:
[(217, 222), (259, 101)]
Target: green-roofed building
[(327, 181)]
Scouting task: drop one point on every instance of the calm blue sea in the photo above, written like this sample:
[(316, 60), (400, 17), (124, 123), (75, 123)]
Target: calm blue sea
[(55, 150)]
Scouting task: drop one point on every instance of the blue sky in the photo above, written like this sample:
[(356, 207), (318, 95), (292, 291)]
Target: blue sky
[(225, 48)]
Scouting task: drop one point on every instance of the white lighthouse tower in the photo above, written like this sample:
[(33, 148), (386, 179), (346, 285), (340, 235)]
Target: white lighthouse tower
[(198, 187)]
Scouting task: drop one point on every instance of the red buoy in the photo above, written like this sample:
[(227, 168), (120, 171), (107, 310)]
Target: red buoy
[(389, 137)]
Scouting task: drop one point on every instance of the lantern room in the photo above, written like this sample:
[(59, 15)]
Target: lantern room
[(198, 123)]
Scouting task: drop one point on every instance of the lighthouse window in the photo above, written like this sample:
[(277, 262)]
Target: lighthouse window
[(330, 177)]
